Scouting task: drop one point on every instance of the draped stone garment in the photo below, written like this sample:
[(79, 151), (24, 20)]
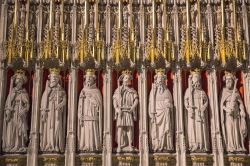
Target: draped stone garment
[(161, 115), (125, 98), (233, 123), (90, 120), (15, 125), (197, 120), (53, 123)]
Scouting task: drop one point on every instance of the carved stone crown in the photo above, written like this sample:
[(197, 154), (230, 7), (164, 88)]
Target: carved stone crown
[(229, 75), (126, 72), (20, 71), (90, 72), (54, 71), (196, 71), (160, 71)]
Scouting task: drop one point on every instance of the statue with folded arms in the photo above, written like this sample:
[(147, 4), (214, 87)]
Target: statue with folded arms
[(161, 114), (17, 106), (125, 100), (53, 115), (196, 105), (90, 115), (233, 115)]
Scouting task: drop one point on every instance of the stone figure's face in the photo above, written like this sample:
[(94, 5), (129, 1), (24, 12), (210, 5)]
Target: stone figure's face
[(196, 82), (19, 81), (54, 80), (89, 80), (126, 80), (229, 82), (160, 79)]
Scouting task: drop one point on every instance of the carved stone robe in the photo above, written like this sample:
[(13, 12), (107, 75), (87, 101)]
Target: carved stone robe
[(161, 119), (197, 120), (15, 126), (233, 123), (90, 119), (53, 123)]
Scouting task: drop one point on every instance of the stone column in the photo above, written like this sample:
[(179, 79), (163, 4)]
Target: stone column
[(143, 96), (3, 73), (32, 156), (246, 86), (107, 98), (72, 112), (180, 133), (72, 101), (217, 146)]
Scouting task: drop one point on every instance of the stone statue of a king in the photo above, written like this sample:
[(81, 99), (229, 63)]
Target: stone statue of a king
[(90, 115), (196, 104), (233, 115), (125, 101), (53, 115), (15, 115), (161, 114)]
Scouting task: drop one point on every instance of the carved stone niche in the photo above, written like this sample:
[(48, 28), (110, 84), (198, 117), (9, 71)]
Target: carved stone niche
[(13, 160), (237, 160), (200, 160), (89, 160), (51, 160), (126, 160), (162, 160)]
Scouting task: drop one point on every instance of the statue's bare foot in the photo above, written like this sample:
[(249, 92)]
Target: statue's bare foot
[(131, 148)]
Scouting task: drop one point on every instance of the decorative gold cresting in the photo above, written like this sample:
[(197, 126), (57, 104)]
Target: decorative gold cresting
[(19, 46)]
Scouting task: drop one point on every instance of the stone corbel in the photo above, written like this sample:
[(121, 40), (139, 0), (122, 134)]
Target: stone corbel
[(126, 160)]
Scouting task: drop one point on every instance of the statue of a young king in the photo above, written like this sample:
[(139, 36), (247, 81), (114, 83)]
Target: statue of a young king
[(196, 104), (90, 115), (233, 115), (53, 115), (15, 115), (161, 114), (125, 100)]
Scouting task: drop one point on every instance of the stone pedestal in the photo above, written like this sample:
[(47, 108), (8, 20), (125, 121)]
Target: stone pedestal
[(126, 160), (89, 160), (163, 160), (13, 160), (200, 160), (237, 160), (51, 160)]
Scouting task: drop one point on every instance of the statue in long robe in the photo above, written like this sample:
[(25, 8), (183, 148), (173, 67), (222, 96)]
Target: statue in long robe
[(125, 101), (196, 104), (90, 116), (15, 125), (161, 114), (233, 116), (53, 115)]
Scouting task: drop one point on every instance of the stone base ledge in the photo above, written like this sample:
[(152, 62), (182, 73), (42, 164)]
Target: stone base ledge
[(56, 159), (19, 159)]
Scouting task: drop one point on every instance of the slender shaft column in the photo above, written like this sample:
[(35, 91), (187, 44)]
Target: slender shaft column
[(142, 90), (32, 156), (180, 135), (246, 86), (107, 134), (3, 23), (107, 98), (72, 112), (72, 102), (217, 146)]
